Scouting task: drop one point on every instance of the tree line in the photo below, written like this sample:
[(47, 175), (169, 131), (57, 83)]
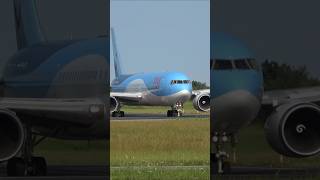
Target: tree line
[(283, 76)]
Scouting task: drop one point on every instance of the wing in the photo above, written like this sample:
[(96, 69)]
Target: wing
[(277, 97), (127, 96), (51, 111)]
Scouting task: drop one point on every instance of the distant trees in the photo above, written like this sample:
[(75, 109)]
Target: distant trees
[(283, 76), (196, 85)]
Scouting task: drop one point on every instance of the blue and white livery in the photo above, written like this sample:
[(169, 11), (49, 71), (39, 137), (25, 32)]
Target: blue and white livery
[(153, 89)]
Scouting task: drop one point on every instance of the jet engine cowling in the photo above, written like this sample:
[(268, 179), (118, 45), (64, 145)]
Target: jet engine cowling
[(11, 135), (293, 129), (201, 102), (114, 104)]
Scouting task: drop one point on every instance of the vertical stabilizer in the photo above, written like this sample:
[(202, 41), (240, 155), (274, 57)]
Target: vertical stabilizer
[(28, 29), (117, 63)]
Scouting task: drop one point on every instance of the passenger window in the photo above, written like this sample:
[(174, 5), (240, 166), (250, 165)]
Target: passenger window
[(223, 65), (241, 64)]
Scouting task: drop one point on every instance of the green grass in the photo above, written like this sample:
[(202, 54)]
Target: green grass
[(153, 145), (158, 143)]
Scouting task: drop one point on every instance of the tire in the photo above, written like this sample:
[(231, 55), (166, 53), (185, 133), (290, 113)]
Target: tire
[(169, 113), (116, 114), (39, 165), (213, 164), (214, 168), (226, 166), (16, 167), (174, 113), (121, 114)]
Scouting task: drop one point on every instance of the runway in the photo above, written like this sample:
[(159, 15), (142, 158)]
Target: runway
[(158, 117), (99, 172), (252, 170)]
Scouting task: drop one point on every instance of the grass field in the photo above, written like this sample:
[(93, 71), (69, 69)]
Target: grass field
[(153, 145)]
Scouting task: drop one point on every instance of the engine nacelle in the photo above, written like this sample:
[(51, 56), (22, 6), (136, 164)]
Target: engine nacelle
[(201, 102), (293, 129), (11, 135), (114, 104)]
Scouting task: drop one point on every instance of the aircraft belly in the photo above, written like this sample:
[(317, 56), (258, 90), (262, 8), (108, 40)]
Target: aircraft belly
[(233, 110)]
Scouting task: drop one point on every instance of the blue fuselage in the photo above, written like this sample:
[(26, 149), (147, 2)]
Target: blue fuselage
[(164, 88)]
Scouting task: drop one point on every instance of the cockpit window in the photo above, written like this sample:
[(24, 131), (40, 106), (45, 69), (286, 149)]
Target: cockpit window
[(223, 64), (241, 64), (180, 81), (230, 64), (253, 64)]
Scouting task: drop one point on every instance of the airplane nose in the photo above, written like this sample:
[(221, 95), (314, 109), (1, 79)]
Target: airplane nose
[(185, 95), (233, 110)]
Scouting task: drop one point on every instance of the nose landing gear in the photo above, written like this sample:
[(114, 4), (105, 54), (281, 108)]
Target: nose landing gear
[(218, 158), (176, 110)]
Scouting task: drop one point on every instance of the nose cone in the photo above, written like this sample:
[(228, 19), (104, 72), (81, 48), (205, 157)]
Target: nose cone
[(184, 95), (233, 110)]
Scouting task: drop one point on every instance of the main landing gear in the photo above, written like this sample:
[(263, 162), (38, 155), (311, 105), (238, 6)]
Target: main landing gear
[(176, 110), (27, 164), (218, 158), (117, 114)]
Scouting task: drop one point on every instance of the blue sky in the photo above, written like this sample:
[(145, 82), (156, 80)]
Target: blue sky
[(163, 36)]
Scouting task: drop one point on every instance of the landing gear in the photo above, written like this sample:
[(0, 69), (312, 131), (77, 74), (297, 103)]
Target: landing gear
[(117, 114), (19, 167), (218, 163), (27, 164), (176, 110)]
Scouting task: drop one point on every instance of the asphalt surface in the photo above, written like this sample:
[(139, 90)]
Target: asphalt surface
[(99, 172), (252, 170), (147, 117)]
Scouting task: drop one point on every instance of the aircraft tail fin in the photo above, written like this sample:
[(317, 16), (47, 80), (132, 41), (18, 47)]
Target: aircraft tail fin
[(117, 63), (28, 31)]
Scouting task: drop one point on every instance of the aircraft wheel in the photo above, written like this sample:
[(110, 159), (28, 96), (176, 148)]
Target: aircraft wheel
[(226, 166), (169, 113), (118, 114), (39, 166), (16, 167), (213, 164), (175, 113)]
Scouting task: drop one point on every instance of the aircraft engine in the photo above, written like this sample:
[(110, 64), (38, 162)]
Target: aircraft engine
[(293, 129), (114, 104), (11, 135), (201, 102)]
